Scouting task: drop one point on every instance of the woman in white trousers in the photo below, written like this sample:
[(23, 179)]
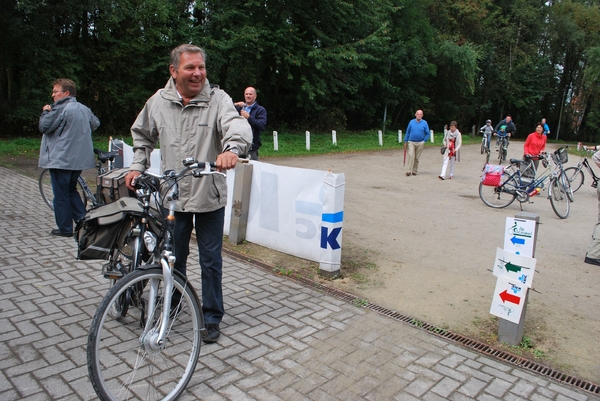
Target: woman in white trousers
[(452, 142)]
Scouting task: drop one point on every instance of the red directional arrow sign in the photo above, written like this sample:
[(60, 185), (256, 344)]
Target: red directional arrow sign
[(506, 297)]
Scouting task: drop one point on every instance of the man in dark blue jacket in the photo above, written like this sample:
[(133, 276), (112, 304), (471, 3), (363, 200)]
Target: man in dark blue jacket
[(66, 150), (256, 116)]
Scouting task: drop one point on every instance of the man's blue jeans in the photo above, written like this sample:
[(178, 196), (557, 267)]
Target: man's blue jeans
[(67, 203), (209, 236)]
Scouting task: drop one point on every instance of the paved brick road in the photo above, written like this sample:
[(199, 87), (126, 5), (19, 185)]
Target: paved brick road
[(281, 341)]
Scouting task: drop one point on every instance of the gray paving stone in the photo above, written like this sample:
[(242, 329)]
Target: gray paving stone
[(445, 387), (472, 387), (419, 386), (572, 395)]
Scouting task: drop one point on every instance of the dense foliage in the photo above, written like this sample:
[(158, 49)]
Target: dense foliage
[(327, 64)]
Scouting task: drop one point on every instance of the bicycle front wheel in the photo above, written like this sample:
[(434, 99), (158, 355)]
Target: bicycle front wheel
[(559, 198), (124, 361), (501, 196), (482, 145), (575, 177)]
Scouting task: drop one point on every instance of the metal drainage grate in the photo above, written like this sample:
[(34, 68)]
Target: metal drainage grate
[(458, 338)]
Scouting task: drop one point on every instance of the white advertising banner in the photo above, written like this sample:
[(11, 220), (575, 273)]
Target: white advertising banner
[(154, 158), (295, 211)]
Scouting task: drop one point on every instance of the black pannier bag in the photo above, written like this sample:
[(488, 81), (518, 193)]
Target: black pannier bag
[(96, 234)]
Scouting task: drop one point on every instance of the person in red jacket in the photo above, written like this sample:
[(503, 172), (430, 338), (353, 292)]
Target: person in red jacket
[(534, 144)]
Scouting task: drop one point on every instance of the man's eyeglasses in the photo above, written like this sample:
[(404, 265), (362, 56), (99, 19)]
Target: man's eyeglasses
[(53, 92)]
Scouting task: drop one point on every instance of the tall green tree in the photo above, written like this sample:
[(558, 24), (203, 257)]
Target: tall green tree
[(309, 60)]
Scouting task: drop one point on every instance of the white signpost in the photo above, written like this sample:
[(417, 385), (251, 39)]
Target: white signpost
[(514, 266)]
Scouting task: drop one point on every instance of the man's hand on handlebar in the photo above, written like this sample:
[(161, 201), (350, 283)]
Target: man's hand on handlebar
[(226, 161), (130, 177)]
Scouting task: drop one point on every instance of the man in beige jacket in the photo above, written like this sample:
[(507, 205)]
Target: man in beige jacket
[(191, 119)]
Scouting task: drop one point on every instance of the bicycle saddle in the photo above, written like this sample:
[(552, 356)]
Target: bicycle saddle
[(105, 156)]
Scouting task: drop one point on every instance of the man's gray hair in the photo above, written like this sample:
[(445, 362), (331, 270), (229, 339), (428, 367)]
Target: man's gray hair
[(185, 48)]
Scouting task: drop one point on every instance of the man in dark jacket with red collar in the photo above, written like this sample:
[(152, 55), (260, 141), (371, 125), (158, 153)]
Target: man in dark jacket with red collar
[(256, 116)]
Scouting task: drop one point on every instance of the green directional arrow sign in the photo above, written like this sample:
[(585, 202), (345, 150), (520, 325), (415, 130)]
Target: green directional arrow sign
[(512, 268), (516, 267)]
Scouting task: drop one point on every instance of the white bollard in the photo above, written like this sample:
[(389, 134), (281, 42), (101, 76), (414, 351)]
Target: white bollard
[(334, 137), (380, 138), (331, 225), (307, 140), (275, 141), (431, 135), (399, 136)]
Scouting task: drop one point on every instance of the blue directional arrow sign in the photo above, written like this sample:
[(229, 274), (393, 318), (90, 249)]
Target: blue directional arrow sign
[(515, 240), (519, 236)]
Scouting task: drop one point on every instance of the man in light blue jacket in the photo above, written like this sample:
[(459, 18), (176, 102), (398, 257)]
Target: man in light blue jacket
[(66, 150), (416, 135)]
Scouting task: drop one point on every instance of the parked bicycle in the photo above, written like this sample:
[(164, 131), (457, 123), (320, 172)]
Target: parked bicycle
[(151, 351), (520, 183), (104, 165), (576, 176)]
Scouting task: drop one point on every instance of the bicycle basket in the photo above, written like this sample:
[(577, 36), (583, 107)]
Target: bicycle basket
[(492, 175), (97, 233), (561, 155)]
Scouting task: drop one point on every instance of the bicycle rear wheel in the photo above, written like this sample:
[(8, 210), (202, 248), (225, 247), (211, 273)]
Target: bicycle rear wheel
[(45, 186), (501, 196), (123, 359), (559, 198), (576, 177)]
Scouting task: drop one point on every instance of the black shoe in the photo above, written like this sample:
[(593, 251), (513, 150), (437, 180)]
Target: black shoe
[(212, 333), (592, 261), (57, 233)]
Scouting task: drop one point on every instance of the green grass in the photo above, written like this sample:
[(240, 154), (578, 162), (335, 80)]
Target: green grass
[(30, 147), (289, 143), (294, 143)]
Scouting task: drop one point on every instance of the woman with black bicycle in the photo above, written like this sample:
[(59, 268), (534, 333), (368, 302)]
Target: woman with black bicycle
[(534, 145)]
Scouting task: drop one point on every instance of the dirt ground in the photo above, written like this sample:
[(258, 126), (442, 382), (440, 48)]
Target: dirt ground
[(426, 248)]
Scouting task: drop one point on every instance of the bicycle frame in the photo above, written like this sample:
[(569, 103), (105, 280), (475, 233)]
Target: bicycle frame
[(87, 191), (523, 189), (167, 259)]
